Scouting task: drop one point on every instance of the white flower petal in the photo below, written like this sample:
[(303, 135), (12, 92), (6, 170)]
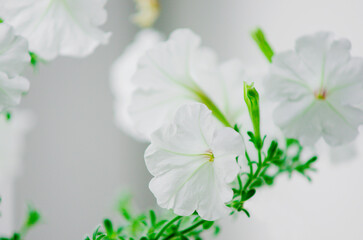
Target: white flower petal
[(11, 90), (188, 175), (54, 27), (233, 74), (191, 131), (287, 78), (226, 146), (14, 54), (299, 120)]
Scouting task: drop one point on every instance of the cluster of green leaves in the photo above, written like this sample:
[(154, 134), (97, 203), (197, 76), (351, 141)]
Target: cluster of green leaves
[(32, 219), (151, 226), (270, 165)]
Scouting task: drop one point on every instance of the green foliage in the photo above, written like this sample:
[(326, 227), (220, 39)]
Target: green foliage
[(32, 219), (151, 225), (259, 37), (276, 161)]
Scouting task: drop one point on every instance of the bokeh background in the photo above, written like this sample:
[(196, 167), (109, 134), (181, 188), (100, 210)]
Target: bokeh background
[(76, 161)]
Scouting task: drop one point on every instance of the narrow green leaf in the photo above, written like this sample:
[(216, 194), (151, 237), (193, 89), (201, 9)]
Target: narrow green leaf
[(259, 37), (108, 226)]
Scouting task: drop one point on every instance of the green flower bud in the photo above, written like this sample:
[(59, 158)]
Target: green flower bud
[(253, 104)]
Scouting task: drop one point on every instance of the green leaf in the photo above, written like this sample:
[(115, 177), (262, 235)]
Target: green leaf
[(152, 217), (272, 150), (207, 224), (259, 37), (217, 230), (108, 226), (33, 217), (257, 183), (268, 179), (245, 211), (249, 194)]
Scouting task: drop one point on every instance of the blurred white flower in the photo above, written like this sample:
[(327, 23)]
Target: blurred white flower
[(121, 74), (12, 141), (233, 73), (173, 73), (14, 57), (319, 86), (11, 90), (192, 160), (57, 27)]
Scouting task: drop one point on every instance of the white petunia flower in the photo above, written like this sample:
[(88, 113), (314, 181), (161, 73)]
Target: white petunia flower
[(173, 73), (319, 86), (57, 27), (121, 75), (192, 160), (14, 57)]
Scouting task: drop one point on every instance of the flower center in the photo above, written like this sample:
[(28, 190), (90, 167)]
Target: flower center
[(209, 155), (321, 94)]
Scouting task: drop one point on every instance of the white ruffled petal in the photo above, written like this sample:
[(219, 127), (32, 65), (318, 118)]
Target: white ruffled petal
[(11, 90), (14, 55), (173, 73), (68, 27)]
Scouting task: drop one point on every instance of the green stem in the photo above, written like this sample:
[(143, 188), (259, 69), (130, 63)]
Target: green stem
[(215, 110), (187, 230), (167, 226), (256, 174)]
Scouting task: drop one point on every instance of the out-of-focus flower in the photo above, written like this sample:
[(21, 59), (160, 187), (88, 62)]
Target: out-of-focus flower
[(121, 75), (319, 86), (12, 141), (11, 90), (14, 57), (148, 12), (57, 27), (173, 73), (233, 73), (192, 160)]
